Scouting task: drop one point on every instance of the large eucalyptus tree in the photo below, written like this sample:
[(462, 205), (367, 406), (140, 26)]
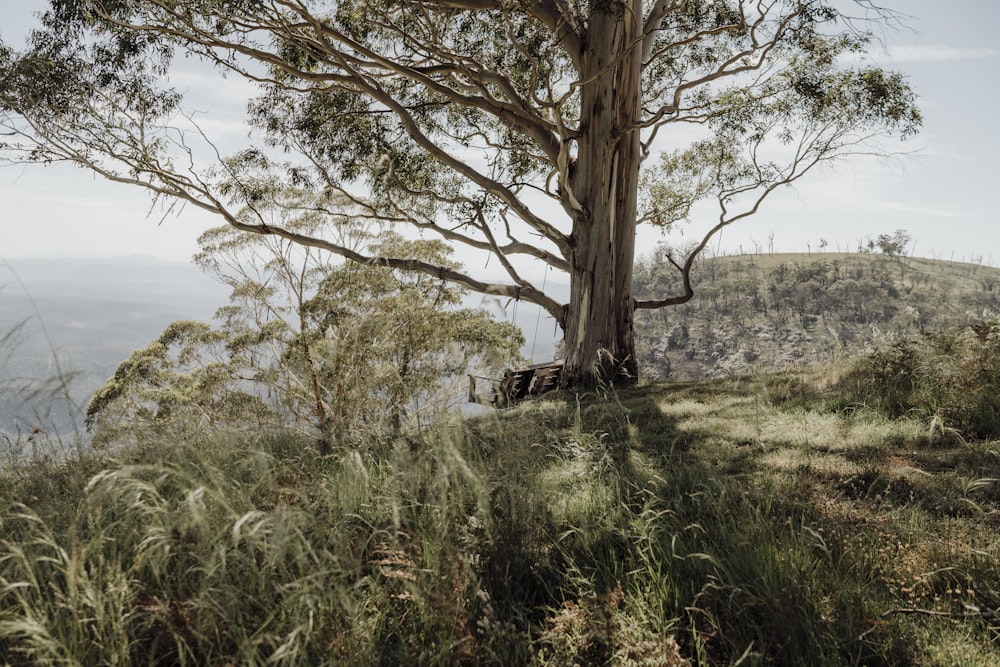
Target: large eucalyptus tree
[(535, 130)]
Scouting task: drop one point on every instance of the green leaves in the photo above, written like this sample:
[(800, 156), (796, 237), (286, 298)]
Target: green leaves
[(348, 351), (179, 385), (488, 124)]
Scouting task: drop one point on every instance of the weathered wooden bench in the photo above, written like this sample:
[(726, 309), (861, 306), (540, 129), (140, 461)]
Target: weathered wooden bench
[(517, 383)]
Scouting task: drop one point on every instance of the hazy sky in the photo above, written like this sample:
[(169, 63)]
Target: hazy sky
[(943, 195)]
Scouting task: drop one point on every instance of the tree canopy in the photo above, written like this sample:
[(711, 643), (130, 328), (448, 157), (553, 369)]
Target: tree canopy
[(533, 130), (334, 349)]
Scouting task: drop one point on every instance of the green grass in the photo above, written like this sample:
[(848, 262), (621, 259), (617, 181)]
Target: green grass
[(732, 522)]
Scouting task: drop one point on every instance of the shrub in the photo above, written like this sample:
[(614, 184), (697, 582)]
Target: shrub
[(950, 378)]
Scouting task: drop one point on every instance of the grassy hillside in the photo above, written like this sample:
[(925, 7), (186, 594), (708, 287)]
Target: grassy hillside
[(714, 523), (772, 311)]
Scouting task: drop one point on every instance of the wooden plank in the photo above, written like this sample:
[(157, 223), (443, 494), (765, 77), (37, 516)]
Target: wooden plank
[(519, 383)]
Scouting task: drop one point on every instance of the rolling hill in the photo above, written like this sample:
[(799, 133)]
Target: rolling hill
[(778, 310)]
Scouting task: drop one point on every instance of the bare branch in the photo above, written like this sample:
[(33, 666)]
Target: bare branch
[(519, 292)]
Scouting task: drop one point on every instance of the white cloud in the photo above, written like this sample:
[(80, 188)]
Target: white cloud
[(919, 210), (937, 53)]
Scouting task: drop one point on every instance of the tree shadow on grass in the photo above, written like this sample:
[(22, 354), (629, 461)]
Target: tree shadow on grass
[(713, 512), (630, 494)]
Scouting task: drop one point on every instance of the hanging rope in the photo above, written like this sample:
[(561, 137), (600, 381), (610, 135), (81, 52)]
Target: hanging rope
[(538, 318)]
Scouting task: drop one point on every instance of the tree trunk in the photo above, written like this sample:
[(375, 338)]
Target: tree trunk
[(599, 343)]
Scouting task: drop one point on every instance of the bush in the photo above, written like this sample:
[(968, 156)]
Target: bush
[(951, 379)]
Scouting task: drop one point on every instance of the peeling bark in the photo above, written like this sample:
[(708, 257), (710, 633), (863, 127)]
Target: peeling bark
[(599, 340)]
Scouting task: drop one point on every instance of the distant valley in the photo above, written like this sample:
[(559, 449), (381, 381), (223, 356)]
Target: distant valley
[(97, 311), (94, 312)]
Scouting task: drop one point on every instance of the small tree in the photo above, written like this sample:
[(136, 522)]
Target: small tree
[(895, 245), (342, 350), (179, 385)]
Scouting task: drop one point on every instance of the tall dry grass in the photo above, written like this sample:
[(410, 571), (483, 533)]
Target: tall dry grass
[(713, 524)]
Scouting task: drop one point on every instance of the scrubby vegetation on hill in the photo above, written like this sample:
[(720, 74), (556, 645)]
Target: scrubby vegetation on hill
[(777, 310), (949, 379)]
